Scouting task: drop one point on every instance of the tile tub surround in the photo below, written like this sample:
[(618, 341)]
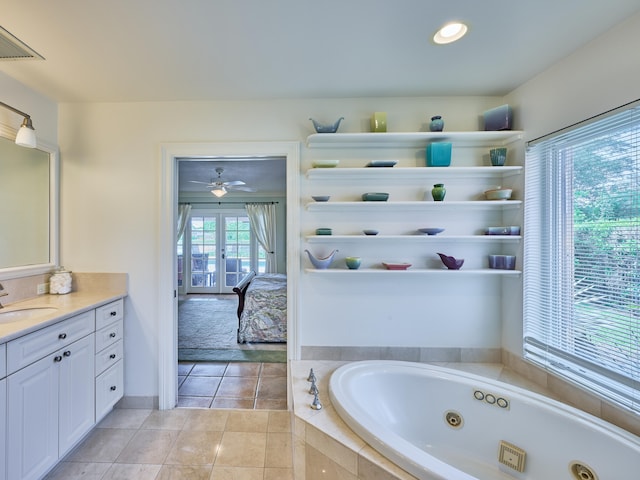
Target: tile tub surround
[(194, 444), (324, 443)]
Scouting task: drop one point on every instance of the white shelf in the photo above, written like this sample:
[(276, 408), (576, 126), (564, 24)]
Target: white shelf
[(410, 206), (411, 139), (412, 238), (412, 271), (410, 173)]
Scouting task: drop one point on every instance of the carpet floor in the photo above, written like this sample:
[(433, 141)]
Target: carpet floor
[(207, 331)]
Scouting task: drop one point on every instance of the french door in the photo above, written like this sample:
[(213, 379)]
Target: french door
[(216, 252)]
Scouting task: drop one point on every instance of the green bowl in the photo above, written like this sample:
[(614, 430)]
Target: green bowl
[(375, 197)]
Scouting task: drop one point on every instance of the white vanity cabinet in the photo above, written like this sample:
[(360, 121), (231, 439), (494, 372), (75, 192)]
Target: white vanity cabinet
[(109, 367), (3, 411), (50, 400)]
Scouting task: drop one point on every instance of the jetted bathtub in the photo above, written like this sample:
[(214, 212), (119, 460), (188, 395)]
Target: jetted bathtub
[(439, 423)]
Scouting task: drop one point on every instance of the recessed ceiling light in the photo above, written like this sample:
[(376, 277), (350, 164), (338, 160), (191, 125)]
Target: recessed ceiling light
[(450, 33)]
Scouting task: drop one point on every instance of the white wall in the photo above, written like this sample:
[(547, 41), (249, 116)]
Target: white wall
[(601, 76), (111, 181)]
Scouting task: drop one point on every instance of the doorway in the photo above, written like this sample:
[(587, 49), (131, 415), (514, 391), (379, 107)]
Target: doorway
[(171, 154)]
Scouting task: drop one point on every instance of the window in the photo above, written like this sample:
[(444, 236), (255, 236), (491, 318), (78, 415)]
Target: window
[(581, 255)]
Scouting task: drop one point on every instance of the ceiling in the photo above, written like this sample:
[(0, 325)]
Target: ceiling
[(172, 50), (267, 175)]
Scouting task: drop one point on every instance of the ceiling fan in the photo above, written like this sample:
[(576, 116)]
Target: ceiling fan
[(220, 188)]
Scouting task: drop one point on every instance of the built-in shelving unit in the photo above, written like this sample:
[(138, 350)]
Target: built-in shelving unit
[(469, 212)]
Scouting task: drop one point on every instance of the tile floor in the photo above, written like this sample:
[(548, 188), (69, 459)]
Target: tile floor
[(183, 444), (239, 385)]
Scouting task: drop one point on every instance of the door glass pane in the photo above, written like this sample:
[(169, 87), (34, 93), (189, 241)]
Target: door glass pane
[(237, 248), (203, 251)]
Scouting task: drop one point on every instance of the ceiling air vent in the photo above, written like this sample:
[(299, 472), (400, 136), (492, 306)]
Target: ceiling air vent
[(13, 49)]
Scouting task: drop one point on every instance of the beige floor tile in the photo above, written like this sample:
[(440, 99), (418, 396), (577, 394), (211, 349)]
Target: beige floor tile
[(78, 471), (149, 446), (236, 473), (125, 418), (206, 420), (120, 471), (242, 369), (102, 445), (209, 369), (267, 404), (199, 386), (274, 370), (242, 449), (194, 448), (279, 422), (279, 451), (253, 421), (233, 403), (278, 474), (237, 387), (194, 402), (166, 419), (272, 388), (184, 472)]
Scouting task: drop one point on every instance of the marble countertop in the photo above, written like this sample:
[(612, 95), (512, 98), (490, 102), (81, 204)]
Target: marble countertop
[(66, 306)]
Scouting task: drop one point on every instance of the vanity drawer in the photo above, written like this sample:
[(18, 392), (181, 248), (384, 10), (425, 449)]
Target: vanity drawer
[(3, 360), (109, 313), (109, 389), (34, 346), (109, 335), (109, 356)]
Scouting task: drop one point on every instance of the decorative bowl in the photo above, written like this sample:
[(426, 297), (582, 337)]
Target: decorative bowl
[(353, 263), (396, 265), (325, 163), (451, 263), (321, 198), (375, 197), (326, 128), (502, 262), (512, 230), (431, 230), (381, 163), (498, 194), (370, 232), (323, 231)]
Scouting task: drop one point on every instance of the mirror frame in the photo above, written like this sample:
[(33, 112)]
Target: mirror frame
[(54, 207)]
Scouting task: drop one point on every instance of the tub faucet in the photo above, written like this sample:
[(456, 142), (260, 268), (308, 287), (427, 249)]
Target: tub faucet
[(2, 294)]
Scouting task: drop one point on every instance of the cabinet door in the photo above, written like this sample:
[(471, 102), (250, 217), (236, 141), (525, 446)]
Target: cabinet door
[(32, 419), (76, 394), (3, 429)]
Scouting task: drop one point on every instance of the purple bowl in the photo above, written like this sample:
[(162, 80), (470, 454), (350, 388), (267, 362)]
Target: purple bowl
[(451, 263), (502, 262)]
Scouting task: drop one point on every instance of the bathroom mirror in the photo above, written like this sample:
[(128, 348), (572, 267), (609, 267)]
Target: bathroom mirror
[(28, 207)]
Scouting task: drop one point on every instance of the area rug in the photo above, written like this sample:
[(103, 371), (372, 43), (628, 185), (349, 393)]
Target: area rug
[(207, 331)]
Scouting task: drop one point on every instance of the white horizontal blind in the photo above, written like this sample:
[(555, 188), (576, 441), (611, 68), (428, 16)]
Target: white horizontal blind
[(582, 256)]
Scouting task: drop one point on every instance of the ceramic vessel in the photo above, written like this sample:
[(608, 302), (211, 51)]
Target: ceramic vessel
[(502, 262), (436, 124), (326, 128), (498, 156), (353, 263), (321, 263), (498, 194), (438, 192), (321, 198), (379, 122), (451, 263)]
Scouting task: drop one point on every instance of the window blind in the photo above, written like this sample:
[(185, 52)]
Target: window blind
[(581, 255)]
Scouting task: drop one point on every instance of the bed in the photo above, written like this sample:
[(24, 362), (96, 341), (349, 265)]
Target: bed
[(262, 308)]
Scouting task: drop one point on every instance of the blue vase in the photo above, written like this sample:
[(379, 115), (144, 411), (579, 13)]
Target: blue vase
[(437, 124)]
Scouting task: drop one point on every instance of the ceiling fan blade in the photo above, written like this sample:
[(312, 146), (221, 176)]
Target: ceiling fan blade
[(234, 183), (240, 188), (203, 183)]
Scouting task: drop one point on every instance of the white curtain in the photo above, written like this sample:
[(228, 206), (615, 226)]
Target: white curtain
[(262, 217), (184, 210)]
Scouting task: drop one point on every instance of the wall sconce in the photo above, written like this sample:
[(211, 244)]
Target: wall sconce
[(26, 136)]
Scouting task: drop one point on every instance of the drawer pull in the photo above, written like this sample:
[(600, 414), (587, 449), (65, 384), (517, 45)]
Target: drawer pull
[(113, 313), (62, 336), (67, 353), (57, 358), (113, 334), (113, 388), (112, 356)]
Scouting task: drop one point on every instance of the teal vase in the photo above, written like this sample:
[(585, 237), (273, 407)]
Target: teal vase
[(436, 124), (438, 192)]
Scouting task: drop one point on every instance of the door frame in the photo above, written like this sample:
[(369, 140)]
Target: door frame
[(167, 312)]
